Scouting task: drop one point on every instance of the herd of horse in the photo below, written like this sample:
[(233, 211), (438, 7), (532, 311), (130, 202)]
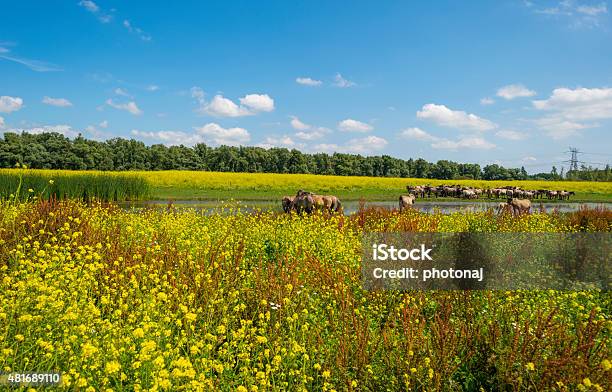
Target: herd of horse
[(463, 192), (513, 205), (518, 200), (309, 202)]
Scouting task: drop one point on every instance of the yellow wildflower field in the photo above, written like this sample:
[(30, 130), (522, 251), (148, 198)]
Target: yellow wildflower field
[(177, 300)]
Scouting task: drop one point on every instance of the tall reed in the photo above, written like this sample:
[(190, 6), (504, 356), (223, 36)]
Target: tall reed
[(63, 184)]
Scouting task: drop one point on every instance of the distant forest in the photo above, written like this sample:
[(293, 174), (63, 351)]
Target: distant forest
[(55, 151)]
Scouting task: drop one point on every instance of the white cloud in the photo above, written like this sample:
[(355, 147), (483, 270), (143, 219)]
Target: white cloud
[(89, 6), (10, 104), (122, 92), (298, 125), (446, 117), (350, 125), (487, 101), (283, 141), (306, 131), (63, 129), (308, 82), (443, 143), (511, 135), (152, 87), (579, 104), (96, 10), (258, 102), (96, 133), (198, 94), (170, 138), (559, 128), (135, 30), (34, 65), (326, 147), (220, 106), (593, 10), (339, 81), (59, 102), (567, 110), (465, 142), (513, 91), (130, 107), (213, 132), (2, 124), (576, 13), (365, 146), (224, 107), (529, 159), (417, 134), (312, 134)]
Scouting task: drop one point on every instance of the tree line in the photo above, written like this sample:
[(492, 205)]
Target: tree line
[(53, 150)]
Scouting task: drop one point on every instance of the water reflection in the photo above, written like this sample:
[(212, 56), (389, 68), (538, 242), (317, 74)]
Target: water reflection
[(445, 207)]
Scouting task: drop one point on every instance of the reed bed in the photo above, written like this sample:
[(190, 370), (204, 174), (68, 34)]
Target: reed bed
[(23, 184)]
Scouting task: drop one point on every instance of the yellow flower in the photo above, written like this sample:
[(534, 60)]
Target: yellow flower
[(530, 366), (262, 339), (190, 317), (112, 367), (159, 362), (587, 382), (241, 389), (606, 365), (326, 374), (138, 333)]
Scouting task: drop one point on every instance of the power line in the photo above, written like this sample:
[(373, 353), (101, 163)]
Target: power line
[(596, 153), (574, 158), (574, 161)]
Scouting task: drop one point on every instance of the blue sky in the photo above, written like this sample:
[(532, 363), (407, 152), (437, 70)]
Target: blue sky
[(510, 82)]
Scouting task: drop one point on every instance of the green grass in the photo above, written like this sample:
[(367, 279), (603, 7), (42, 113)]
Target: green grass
[(194, 185), (24, 184)]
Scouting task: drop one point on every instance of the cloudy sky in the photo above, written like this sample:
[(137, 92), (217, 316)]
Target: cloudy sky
[(509, 81)]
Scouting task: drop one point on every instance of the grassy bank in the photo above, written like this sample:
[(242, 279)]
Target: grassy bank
[(212, 186), (258, 186)]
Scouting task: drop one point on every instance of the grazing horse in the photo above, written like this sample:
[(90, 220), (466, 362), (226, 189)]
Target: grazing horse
[(406, 201), (287, 203), (520, 206)]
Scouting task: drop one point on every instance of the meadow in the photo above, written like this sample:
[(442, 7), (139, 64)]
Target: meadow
[(176, 300), (201, 185)]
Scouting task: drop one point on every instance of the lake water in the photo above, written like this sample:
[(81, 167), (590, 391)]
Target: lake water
[(350, 207)]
